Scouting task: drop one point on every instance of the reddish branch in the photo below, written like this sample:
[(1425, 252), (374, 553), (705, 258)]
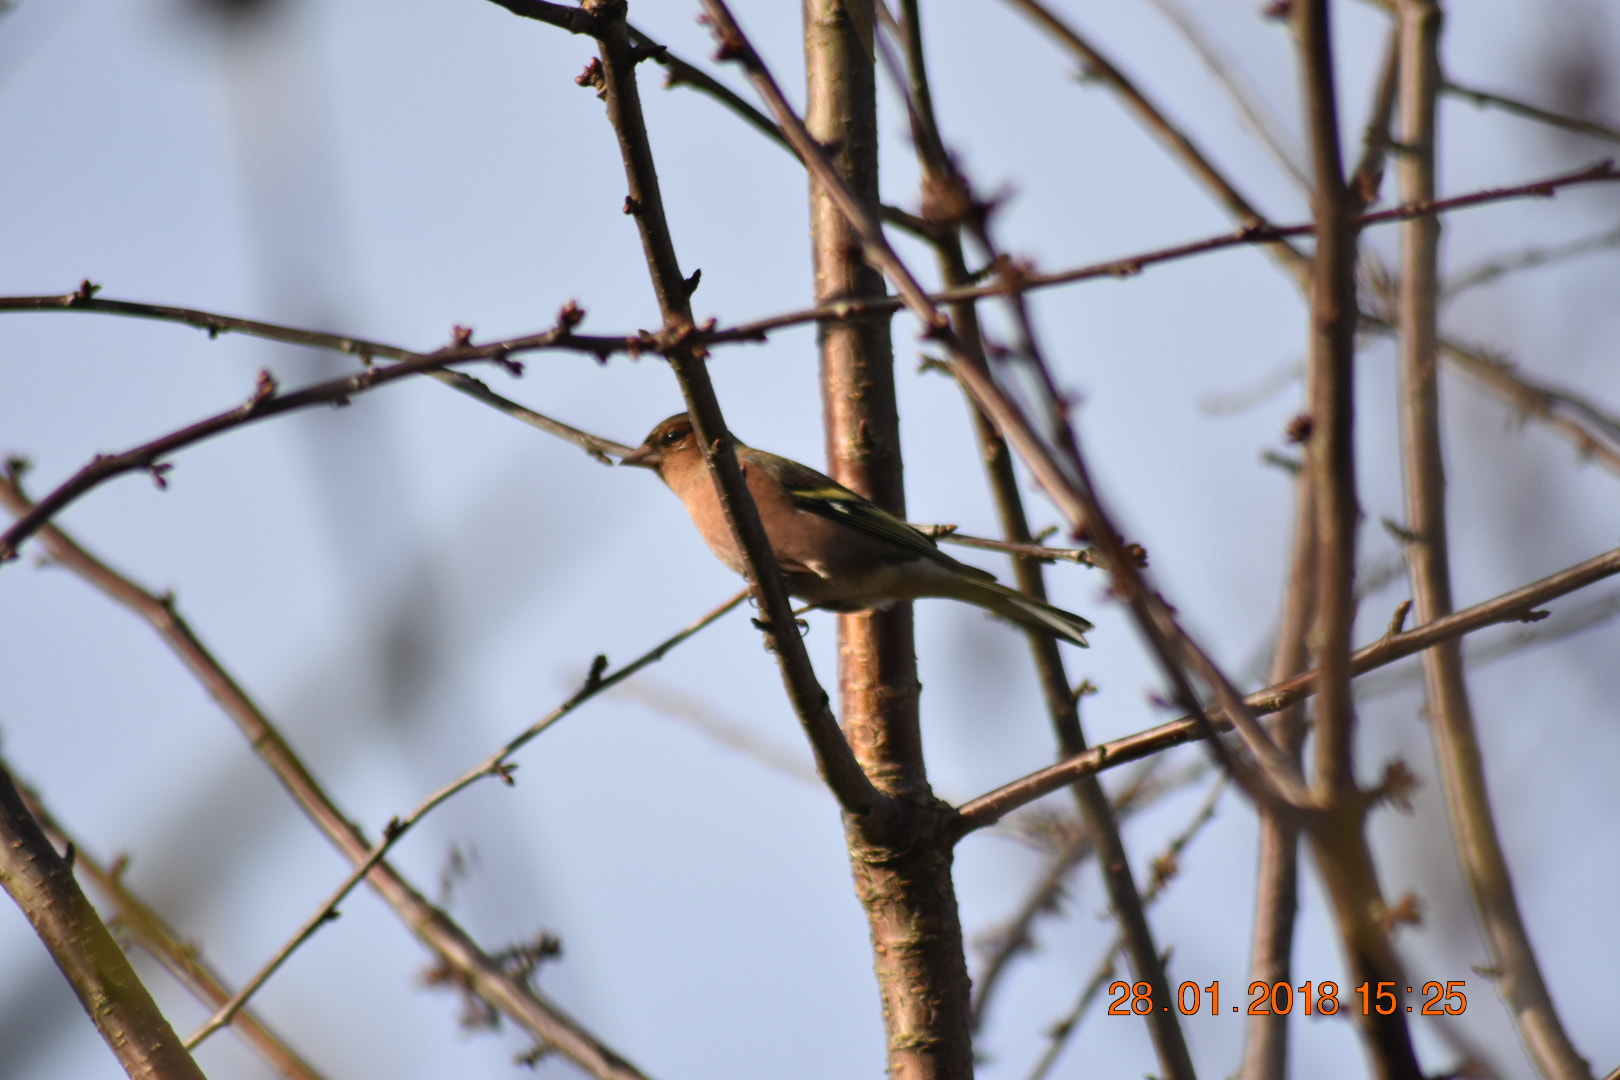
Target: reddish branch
[(1131, 265), (902, 868), (265, 402)]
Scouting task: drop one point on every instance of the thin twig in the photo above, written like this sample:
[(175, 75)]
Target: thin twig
[(1039, 552), (1097, 66), (1265, 124), (1565, 623), (497, 765), (85, 299), (1016, 935), (1594, 128), (485, 975), (1132, 265), (1519, 605), (1368, 177), (266, 401), (1165, 867), (1531, 258), (565, 16), (1594, 430), (679, 72), (707, 718)]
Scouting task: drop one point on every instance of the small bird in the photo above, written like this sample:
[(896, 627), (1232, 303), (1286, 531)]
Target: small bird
[(838, 550)]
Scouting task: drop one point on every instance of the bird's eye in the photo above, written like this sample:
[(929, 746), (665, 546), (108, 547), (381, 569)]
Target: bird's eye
[(672, 437)]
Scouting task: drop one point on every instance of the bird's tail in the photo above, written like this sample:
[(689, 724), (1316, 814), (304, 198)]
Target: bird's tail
[(1026, 611)]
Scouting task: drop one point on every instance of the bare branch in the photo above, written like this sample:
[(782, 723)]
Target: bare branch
[(1530, 258), (137, 919), (498, 766), (1338, 833), (41, 882), (1098, 66), (679, 72), (1519, 605), (1265, 1048), (484, 974), (1165, 871), (1265, 124), (1014, 937), (576, 20), (1023, 550), (1482, 98), (265, 402), (1450, 711), (680, 341), (1131, 265), (561, 337)]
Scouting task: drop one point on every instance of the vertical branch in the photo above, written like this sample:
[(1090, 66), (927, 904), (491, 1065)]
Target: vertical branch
[(1450, 712), (1331, 449), (877, 670), (42, 884), (902, 875), (1062, 703), (1337, 830), (1265, 1051)]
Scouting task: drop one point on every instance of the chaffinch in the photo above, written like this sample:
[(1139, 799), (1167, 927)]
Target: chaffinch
[(838, 550)]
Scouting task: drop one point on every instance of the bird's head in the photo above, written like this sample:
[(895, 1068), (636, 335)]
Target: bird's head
[(670, 439)]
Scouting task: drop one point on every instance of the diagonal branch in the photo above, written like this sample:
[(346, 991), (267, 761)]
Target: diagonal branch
[(681, 344), (941, 180), (497, 765), (1165, 868), (1482, 98), (1262, 121), (135, 918), (41, 882), (1099, 66), (265, 402), (484, 974), (1519, 605)]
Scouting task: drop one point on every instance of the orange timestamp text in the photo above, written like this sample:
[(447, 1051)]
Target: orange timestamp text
[(1311, 998)]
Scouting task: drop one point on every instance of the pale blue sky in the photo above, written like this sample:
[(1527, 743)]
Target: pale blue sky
[(407, 582)]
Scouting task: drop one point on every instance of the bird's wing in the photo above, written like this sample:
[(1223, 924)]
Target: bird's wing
[(818, 494)]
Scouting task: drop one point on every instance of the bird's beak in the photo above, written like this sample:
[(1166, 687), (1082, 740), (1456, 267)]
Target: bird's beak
[(645, 456)]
